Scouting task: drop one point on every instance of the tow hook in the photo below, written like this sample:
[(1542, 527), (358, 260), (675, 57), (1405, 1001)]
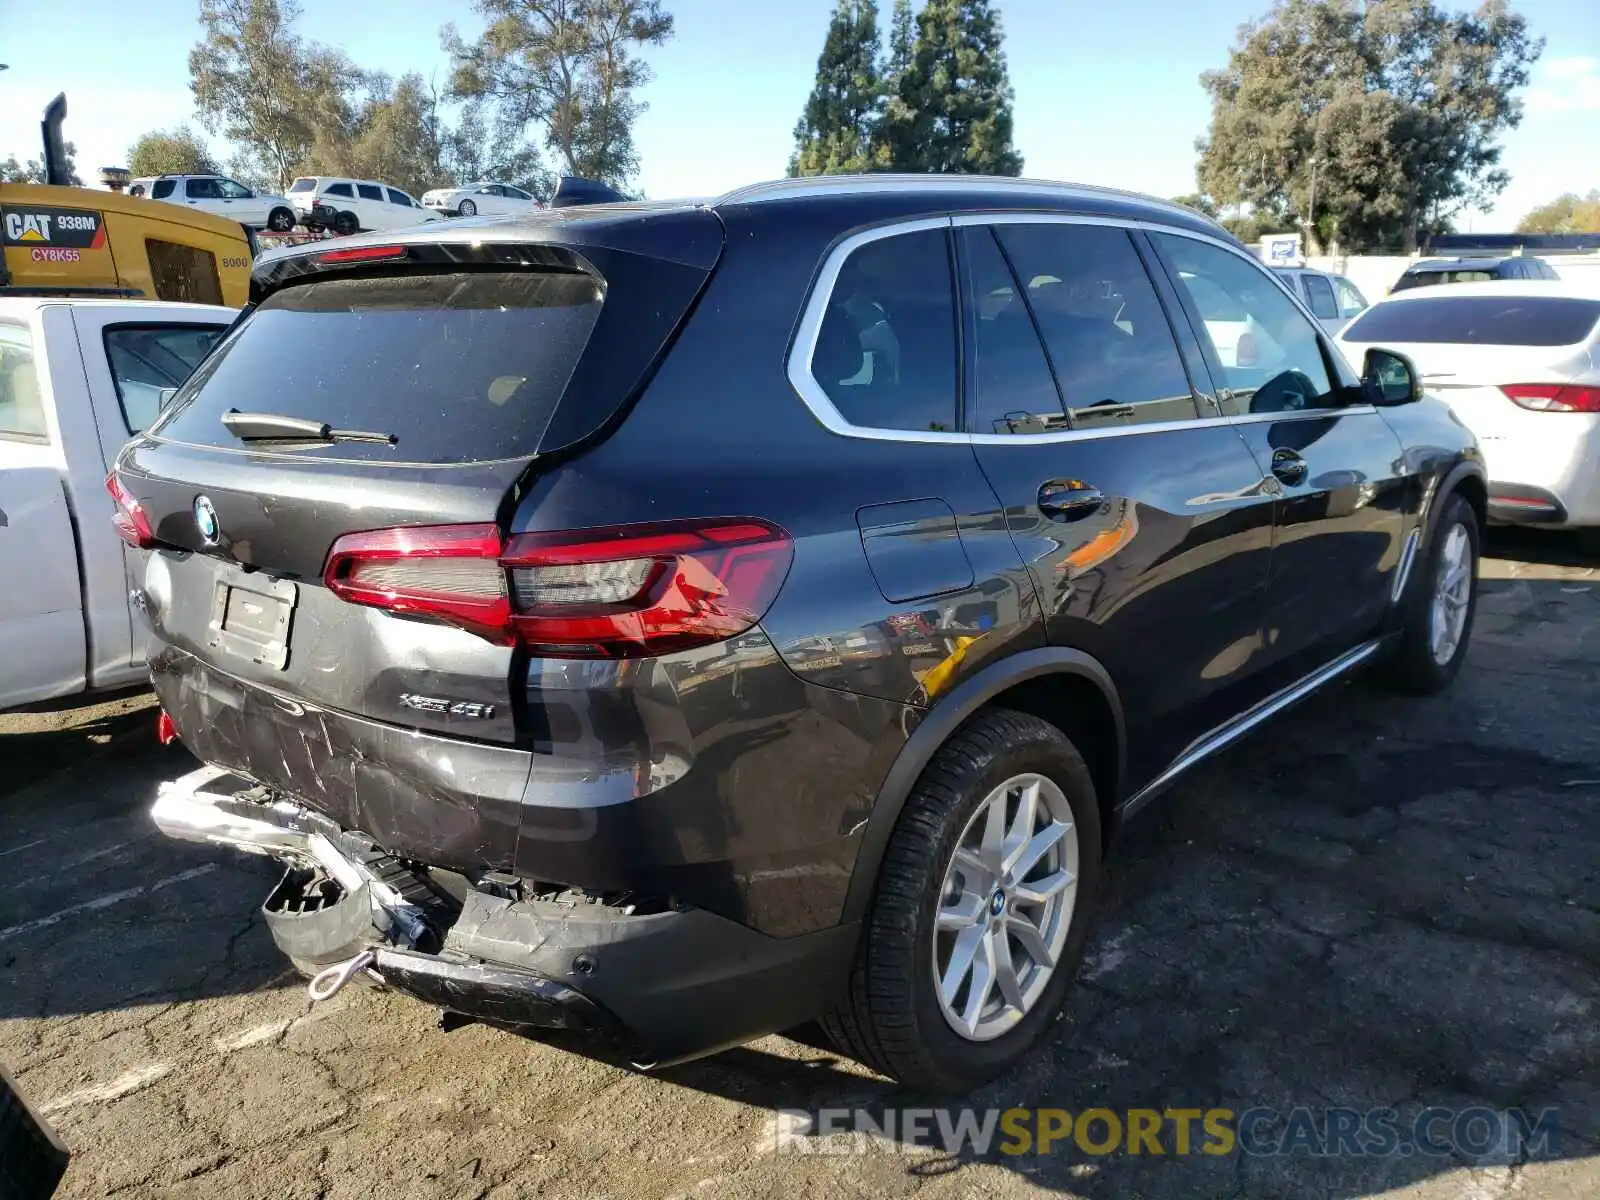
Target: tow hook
[(329, 982)]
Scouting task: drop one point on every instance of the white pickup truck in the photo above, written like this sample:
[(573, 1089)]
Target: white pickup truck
[(77, 379)]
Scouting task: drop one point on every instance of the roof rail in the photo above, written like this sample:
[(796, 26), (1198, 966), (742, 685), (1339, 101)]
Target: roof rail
[(843, 185)]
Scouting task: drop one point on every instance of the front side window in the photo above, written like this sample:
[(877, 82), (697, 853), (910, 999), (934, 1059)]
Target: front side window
[(398, 197), (1319, 298), (1269, 354), (21, 407), (162, 188), (886, 350), (234, 191), (146, 360), (1351, 301), (370, 191), (1115, 359), (1012, 391)]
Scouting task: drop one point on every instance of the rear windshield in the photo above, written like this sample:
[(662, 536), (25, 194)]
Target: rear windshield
[(457, 367), (1485, 320), (303, 185), (1416, 279)]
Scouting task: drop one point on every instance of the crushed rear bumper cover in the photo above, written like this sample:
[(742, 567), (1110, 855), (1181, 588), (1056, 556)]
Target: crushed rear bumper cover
[(663, 986)]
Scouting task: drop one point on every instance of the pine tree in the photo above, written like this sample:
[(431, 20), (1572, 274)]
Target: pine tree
[(894, 144), (957, 92), (835, 132)]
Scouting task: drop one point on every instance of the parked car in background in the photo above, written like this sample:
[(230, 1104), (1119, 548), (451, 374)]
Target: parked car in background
[(219, 195), (78, 377), (1519, 363), (1332, 299), (489, 199), (348, 206), (1434, 271), (492, 579)]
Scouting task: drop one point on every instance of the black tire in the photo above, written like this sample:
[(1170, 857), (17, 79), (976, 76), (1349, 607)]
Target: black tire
[(889, 1018), (1411, 667), (467, 209), (345, 223), (280, 220)]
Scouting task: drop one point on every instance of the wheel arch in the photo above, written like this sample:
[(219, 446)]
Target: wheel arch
[(1467, 479), (1068, 688)]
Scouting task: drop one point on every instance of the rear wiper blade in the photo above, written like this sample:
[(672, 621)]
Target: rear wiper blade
[(276, 427)]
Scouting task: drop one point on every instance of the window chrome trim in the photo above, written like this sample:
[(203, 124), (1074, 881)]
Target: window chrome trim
[(828, 415)]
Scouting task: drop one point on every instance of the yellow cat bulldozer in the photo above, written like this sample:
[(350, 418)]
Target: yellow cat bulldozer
[(61, 240)]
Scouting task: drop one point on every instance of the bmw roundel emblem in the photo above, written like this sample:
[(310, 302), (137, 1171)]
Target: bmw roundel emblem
[(205, 520)]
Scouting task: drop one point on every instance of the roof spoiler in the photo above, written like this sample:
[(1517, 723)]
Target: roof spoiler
[(55, 150), (574, 190)]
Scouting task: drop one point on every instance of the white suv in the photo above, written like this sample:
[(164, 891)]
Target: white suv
[(219, 195), (349, 205)]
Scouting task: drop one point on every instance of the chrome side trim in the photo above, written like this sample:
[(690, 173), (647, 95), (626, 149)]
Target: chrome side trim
[(822, 407), (1208, 744), (1408, 558)]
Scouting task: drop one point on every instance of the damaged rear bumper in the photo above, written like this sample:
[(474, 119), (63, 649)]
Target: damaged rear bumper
[(664, 985)]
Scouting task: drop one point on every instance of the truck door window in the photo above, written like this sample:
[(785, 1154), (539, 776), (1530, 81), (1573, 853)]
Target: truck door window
[(21, 409), (183, 273), (145, 360), (162, 188)]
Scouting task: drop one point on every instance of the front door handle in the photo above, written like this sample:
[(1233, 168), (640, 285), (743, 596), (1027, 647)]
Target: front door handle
[(1288, 466), (1069, 499)]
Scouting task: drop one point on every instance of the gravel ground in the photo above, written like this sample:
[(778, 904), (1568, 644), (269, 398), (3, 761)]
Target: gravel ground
[(1373, 902)]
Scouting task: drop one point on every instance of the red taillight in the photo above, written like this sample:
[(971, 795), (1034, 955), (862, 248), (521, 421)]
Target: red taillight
[(130, 521), (166, 731), (1554, 397), (361, 254), (626, 591)]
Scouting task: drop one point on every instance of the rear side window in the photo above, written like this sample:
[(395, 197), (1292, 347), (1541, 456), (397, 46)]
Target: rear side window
[(162, 188), (886, 350), (21, 408), (457, 367), (1113, 351), (303, 185), (183, 273), (338, 189), (370, 191), (1319, 298), (202, 189), (1011, 387), (146, 360), (1485, 320)]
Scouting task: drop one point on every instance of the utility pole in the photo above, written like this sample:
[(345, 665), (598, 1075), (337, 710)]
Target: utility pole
[(1312, 217)]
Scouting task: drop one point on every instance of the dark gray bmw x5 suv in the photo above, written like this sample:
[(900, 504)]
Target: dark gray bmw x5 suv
[(685, 620)]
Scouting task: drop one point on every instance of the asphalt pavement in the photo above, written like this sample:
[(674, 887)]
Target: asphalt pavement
[(1373, 903)]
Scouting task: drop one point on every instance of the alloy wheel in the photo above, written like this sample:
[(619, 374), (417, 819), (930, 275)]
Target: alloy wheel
[(1452, 596), (1005, 907)]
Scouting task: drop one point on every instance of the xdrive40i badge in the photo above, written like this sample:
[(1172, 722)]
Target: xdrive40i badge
[(470, 709)]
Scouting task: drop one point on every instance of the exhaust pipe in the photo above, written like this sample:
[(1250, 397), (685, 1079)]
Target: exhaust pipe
[(186, 810)]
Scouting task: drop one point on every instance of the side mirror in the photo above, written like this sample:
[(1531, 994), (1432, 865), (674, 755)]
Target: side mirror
[(1390, 377), (164, 397)]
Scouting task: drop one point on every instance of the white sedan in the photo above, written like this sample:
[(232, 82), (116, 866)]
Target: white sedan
[(1518, 361), (489, 199)]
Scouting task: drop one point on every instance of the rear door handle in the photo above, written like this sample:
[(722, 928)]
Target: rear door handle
[(1289, 466), (1069, 499)]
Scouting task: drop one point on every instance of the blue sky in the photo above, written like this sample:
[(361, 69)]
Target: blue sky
[(1106, 92)]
